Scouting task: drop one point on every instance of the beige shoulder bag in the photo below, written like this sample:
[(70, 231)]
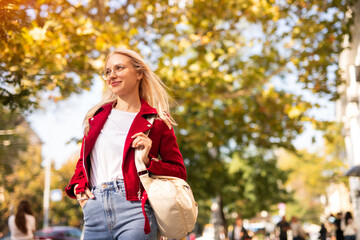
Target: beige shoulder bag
[(171, 199)]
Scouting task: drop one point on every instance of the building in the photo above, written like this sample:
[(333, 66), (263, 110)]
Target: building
[(348, 108)]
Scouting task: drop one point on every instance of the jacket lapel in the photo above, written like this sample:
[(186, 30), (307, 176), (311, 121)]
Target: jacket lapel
[(140, 124)]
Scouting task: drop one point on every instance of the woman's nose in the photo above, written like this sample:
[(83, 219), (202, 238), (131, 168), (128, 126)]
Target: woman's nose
[(113, 74)]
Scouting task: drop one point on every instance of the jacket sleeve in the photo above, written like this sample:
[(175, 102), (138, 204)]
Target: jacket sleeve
[(172, 163), (79, 178)]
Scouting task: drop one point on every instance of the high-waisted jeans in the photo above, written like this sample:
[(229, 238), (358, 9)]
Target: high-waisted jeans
[(111, 216)]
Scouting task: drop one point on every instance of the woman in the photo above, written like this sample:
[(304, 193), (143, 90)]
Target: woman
[(22, 225), (297, 231), (106, 182), (348, 226)]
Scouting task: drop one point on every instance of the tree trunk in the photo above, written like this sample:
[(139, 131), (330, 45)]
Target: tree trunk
[(224, 222)]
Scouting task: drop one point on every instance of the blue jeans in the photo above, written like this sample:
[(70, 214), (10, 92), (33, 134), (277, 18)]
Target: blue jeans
[(350, 237), (111, 216)]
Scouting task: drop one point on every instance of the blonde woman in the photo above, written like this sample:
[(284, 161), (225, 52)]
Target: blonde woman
[(106, 182)]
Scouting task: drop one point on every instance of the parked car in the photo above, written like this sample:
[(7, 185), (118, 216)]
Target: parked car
[(58, 233)]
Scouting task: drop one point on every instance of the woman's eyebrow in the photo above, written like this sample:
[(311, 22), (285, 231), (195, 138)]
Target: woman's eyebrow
[(121, 64)]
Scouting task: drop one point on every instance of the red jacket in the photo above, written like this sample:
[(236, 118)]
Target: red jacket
[(163, 145)]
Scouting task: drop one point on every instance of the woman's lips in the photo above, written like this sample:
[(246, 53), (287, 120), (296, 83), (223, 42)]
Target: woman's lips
[(115, 83)]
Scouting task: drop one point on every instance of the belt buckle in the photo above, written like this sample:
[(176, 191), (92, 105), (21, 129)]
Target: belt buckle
[(104, 185)]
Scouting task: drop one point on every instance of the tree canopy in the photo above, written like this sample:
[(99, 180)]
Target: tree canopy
[(20, 152), (311, 174), (227, 64)]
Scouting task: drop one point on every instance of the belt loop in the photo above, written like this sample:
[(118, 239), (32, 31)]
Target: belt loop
[(116, 185)]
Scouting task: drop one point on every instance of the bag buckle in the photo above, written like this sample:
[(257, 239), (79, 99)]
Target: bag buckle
[(143, 173)]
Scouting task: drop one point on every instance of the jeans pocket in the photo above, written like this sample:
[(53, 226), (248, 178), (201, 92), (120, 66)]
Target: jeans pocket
[(86, 203)]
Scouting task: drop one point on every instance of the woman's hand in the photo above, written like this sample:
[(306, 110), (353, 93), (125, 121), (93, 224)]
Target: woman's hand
[(144, 143), (83, 197)]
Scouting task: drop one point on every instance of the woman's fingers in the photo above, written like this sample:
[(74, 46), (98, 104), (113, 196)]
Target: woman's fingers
[(141, 140), (78, 196), (142, 143), (75, 189), (138, 134), (82, 203), (89, 193), (84, 196)]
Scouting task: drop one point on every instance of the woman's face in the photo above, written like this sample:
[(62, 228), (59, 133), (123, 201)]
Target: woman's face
[(122, 77)]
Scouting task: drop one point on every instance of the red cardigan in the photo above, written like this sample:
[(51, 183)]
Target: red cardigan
[(163, 145)]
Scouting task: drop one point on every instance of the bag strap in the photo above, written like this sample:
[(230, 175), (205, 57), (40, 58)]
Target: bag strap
[(140, 165)]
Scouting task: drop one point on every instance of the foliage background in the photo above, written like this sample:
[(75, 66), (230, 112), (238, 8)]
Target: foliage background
[(230, 70)]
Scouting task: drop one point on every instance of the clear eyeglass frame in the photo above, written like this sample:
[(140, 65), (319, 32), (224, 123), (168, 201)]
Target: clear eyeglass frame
[(118, 69)]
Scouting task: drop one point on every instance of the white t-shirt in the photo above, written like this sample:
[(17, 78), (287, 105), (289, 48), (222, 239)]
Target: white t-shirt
[(296, 229), (237, 232), (107, 154), (16, 234), (349, 229)]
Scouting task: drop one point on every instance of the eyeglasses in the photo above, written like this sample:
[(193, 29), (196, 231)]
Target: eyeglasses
[(118, 68)]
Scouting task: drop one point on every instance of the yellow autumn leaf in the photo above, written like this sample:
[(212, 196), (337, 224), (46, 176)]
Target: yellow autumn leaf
[(215, 64), (184, 43), (205, 40), (294, 112), (296, 30), (194, 67), (194, 37), (14, 68), (26, 83), (231, 50), (210, 57), (38, 34), (228, 78)]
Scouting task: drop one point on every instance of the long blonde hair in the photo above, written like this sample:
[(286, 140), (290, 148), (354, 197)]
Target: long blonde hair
[(151, 89)]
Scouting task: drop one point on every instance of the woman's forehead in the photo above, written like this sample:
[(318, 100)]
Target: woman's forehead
[(117, 59)]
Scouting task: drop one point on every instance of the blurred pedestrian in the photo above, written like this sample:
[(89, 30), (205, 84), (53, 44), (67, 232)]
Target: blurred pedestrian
[(106, 182), (239, 232), (338, 232), (297, 231), (323, 233), (348, 226), (331, 228), (283, 226), (22, 225)]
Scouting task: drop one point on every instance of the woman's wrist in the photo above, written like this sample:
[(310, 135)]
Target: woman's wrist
[(147, 162)]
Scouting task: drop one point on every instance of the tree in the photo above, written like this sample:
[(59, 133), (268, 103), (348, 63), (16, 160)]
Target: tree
[(20, 165), (311, 174), (229, 69), (58, 46), (67, 211), (12, 142)]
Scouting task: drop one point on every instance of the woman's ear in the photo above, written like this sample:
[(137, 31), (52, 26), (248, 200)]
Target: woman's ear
[(140, 75)]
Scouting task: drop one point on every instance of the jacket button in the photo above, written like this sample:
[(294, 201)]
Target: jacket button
[(92, 119), (149, 125)]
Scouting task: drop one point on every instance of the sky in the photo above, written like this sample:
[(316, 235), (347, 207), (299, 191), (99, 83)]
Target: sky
[(58, 123)]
